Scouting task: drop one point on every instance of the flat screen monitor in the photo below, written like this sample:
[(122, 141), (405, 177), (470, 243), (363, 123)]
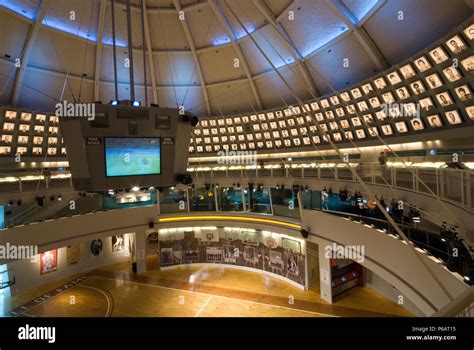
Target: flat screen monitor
[(132, 156)]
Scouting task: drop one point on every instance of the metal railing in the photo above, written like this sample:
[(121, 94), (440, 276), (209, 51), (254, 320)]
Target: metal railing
[(462, 306), (455, 186)]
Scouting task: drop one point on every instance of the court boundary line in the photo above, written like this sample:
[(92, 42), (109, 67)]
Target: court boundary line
[(219, 296), (202, 307), (109, 308), (81, 278), (56, 295)]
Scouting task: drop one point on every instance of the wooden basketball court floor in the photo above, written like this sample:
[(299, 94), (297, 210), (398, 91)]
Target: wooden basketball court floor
[(114, 291)]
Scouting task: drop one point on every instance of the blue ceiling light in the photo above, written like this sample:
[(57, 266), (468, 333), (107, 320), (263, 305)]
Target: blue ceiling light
[(19, 9), (114, 102), (136, 103)]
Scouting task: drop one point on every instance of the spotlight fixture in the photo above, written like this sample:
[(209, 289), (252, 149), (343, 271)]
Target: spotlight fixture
[(290, 159), (19, 202), (135, 189), (10, 203), (136, 103), (60, 198), (114, 102)]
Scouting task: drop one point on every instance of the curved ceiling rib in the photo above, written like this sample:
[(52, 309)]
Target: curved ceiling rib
[(27, 49), (297, 56), (192, 46), (360, 33), (213, 4), (98, 50)]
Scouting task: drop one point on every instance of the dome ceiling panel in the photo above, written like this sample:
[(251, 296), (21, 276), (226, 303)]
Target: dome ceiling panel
[(424, 21), (121, 37), (205, 28), (45, 96), (107, 65), (10, 43), (218, 65), (360, 8), (247, 14), (315, 24), (7, 70), (166, 31), (26, 8), (175, 68), (190, 98), (61, 53), (273, 47), (222, 98), (330, 61), (274, 91), (77, 17), (278, 6)]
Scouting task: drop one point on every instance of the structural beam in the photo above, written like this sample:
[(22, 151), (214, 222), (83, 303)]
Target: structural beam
[(27, 48), (149, 51), (189, 37), (233, 40), (98, 50), (266, 12), (360, 33)]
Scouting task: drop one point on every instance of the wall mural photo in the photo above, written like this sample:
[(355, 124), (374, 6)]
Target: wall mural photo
[(278, 255)]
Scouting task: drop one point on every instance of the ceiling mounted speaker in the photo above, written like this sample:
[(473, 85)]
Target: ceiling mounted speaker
[(304, 233)]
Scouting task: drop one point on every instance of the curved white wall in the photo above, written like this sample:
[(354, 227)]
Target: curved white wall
[(388, 257)]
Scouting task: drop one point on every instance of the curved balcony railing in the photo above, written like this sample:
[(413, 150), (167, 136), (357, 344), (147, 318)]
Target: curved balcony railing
[(455, 186)]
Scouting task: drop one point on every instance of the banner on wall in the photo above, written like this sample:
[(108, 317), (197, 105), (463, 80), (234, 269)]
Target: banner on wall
[(276, 260), (118, 244), (292, 262), (73, 254), (96, 248), (214, 254), (48, 261), (231, 253), (250, 254)]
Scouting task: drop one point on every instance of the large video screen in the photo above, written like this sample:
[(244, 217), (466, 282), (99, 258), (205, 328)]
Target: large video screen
[(132, 156)]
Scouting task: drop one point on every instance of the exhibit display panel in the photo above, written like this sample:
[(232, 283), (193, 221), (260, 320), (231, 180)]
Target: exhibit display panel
[(267, 251)]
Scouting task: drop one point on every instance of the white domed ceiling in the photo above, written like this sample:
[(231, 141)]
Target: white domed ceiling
[(202, 58)]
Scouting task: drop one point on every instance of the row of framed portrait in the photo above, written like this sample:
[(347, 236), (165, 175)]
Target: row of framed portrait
[(389, 109), (404, 93), (417, 87), (24, 140), (12, 115), (400, 125), (25, 128), (49, 259), (34, 151)]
